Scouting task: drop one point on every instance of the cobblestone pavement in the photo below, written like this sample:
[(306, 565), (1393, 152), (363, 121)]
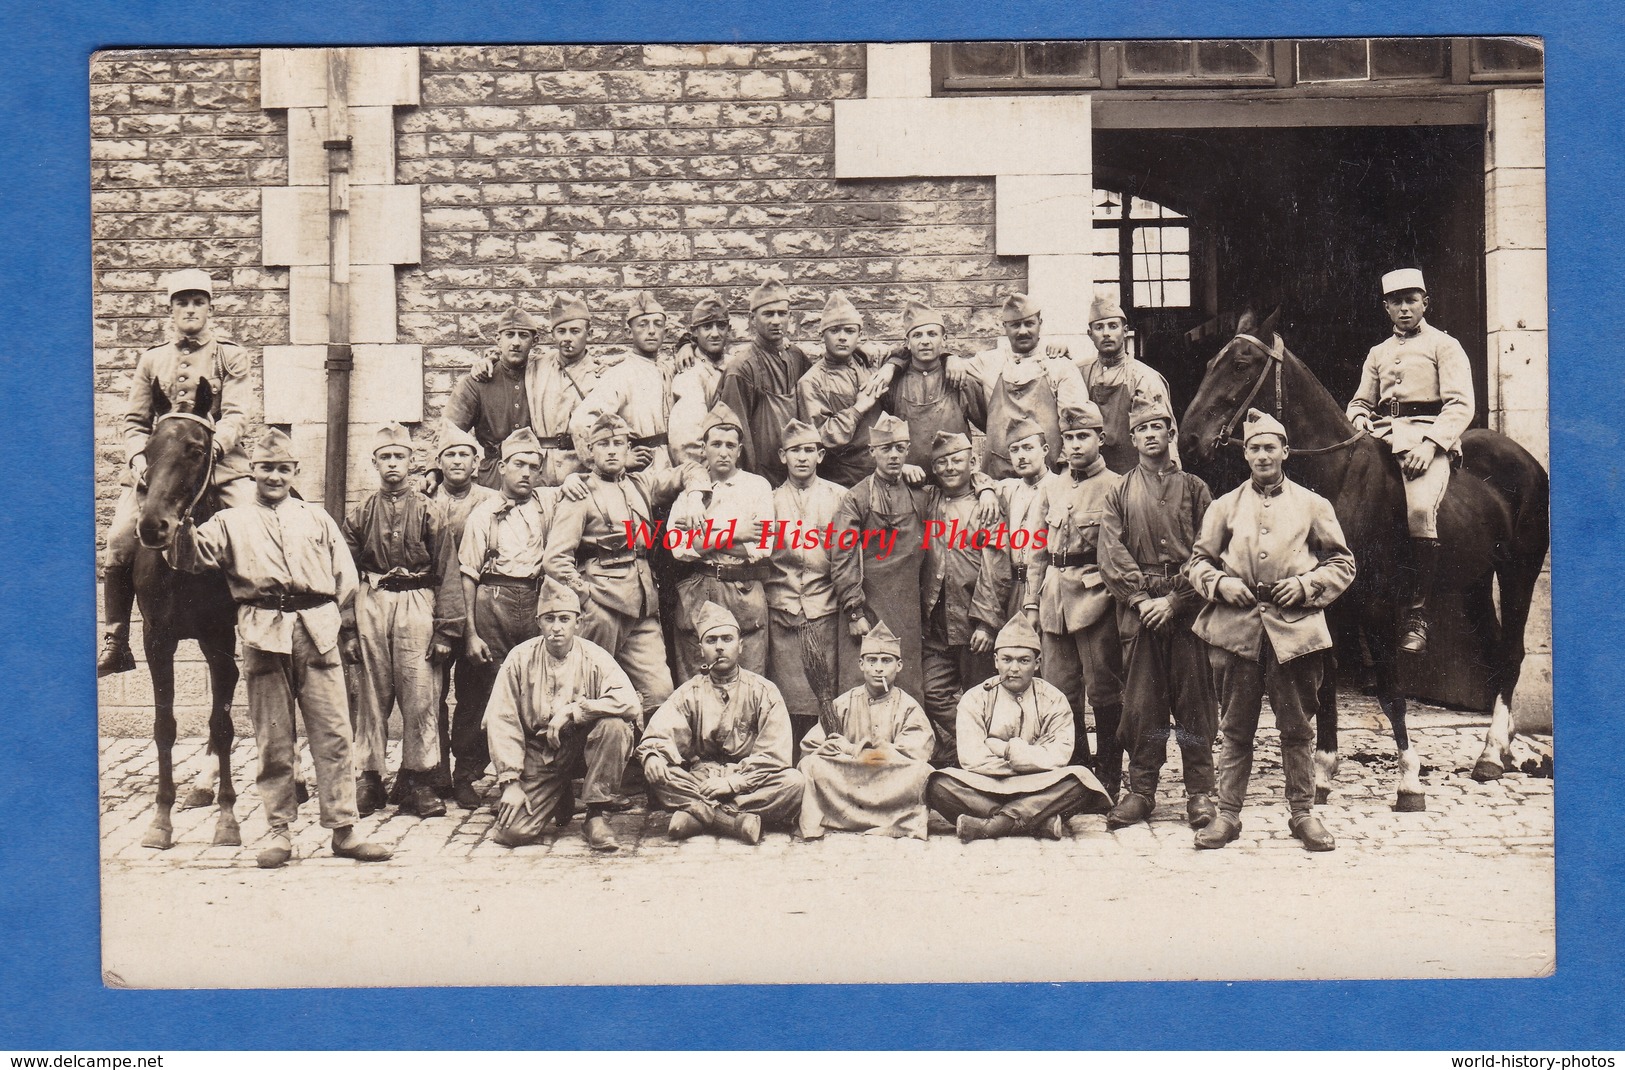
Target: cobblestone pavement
[(1462, 889)]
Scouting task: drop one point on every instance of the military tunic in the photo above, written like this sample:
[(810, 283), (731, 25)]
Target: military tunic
[(491, 411), (826, 398), (801, 605), (555, 389), (760, 386), (637, 389), (1113, 385)]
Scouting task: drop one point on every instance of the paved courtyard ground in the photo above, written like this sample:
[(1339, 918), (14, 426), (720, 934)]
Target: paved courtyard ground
[(1463, 889)]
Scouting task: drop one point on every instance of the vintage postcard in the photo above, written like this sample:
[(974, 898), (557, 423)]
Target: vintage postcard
[(823, 512)]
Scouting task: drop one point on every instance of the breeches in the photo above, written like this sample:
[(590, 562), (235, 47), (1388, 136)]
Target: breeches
[(1292, 692), (1086, 664), (950, 798), (605, 745), (121, 539), (777, 799), (315, 681), (1167, 676), (396, 629), (1423, 495), (636, 643)]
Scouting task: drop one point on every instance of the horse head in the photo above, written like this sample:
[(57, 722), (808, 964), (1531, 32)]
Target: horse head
[(1230, 387), (180, 463)]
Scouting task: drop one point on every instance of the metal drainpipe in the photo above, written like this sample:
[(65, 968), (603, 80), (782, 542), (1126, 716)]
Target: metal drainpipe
[(339, 356)]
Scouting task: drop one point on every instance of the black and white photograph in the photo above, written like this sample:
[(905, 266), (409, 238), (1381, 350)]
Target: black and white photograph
[(977, 511)]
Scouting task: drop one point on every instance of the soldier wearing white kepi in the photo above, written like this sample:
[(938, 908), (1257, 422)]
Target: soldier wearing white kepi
[(167, 377), (1416, 394)]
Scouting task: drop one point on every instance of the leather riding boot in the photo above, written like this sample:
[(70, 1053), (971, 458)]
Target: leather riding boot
[(118, 596), (1413, 637)]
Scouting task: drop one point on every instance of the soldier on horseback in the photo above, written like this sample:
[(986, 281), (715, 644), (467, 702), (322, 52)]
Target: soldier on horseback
[(1416, 394), (175, 369)]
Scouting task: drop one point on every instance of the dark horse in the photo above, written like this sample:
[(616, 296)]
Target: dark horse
[(1494, 528), (180, 605)]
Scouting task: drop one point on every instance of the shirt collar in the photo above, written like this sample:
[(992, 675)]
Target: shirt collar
[(1093, 470), (1268, 492), (193, 344), (1413, 332)]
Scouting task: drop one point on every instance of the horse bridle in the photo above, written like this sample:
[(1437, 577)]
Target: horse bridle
[(1277, 358), (208, 473)]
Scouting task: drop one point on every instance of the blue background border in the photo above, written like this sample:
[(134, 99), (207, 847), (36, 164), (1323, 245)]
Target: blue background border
[(50, 990)]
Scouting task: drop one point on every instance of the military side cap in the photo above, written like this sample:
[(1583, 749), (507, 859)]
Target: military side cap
[(917, 314), (274, 447), (713, 617), (887, 430), (839, 312), (948, 443), (1083, 417), (1105, 307), (607, 426), (1401, 280), (567, 307), (797, 433), (1145, 409), (644, 304), (517, 319), (555, 597), (391, 434), (881, 640), (523, 440), (451, 436), (1017, 633), (1026, 427), (709, 309), (768, 293), (1261, 423), (720, 416), (1018, 306), (187, 279)]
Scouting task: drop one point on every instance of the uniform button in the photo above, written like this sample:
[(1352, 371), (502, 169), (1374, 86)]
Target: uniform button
[(1263, 555)]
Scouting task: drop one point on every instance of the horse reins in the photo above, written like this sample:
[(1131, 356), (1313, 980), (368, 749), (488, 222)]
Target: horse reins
[(208, 472), (1277, 357)]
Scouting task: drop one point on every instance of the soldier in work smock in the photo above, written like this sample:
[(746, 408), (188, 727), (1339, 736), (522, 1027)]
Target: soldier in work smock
[(500, 559), (635, 386), (1147, 533), (491, 401), (923, 395), (452, 500), (718, 750), (1270, 559), (594, 548), (759, 380), (559, 701), (802, 622), (1115, 378), (840, 395), (1067, 599), (1416, 394), (1021, 381), (172, 372), (396, 541), (1015, 742), (294, 583), (697, 385), (866, 761)]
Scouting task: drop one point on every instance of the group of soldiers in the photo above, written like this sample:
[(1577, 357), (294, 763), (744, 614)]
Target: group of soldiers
[(692, 565)]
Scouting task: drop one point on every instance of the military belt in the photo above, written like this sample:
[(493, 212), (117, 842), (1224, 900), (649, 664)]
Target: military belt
[(1397, 409), (286, 602), (732, 572), (1077, 560), (497, 579), (401, 583)]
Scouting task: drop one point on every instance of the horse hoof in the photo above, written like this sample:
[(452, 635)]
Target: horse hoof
[(1486, 770), (1410, 802), (198, 797), (159, 839), (1322, 795), (228, 835)]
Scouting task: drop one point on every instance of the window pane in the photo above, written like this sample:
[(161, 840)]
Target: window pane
[(1108, 205), (984, 59), (1176, 294), (1234, 59), (1499, 55), (1407, 59), (1331, 61), (1157, 57), (1050, 59), (1176, 240)]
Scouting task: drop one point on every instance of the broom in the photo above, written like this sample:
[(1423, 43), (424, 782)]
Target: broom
[(820, 676)]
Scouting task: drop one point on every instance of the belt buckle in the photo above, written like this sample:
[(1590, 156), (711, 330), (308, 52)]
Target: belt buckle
[(1390, 408)]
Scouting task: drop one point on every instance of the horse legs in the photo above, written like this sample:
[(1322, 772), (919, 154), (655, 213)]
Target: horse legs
[(1517, 591), (1326, 731), (222, 685), (160, 652), (1410, 796)]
